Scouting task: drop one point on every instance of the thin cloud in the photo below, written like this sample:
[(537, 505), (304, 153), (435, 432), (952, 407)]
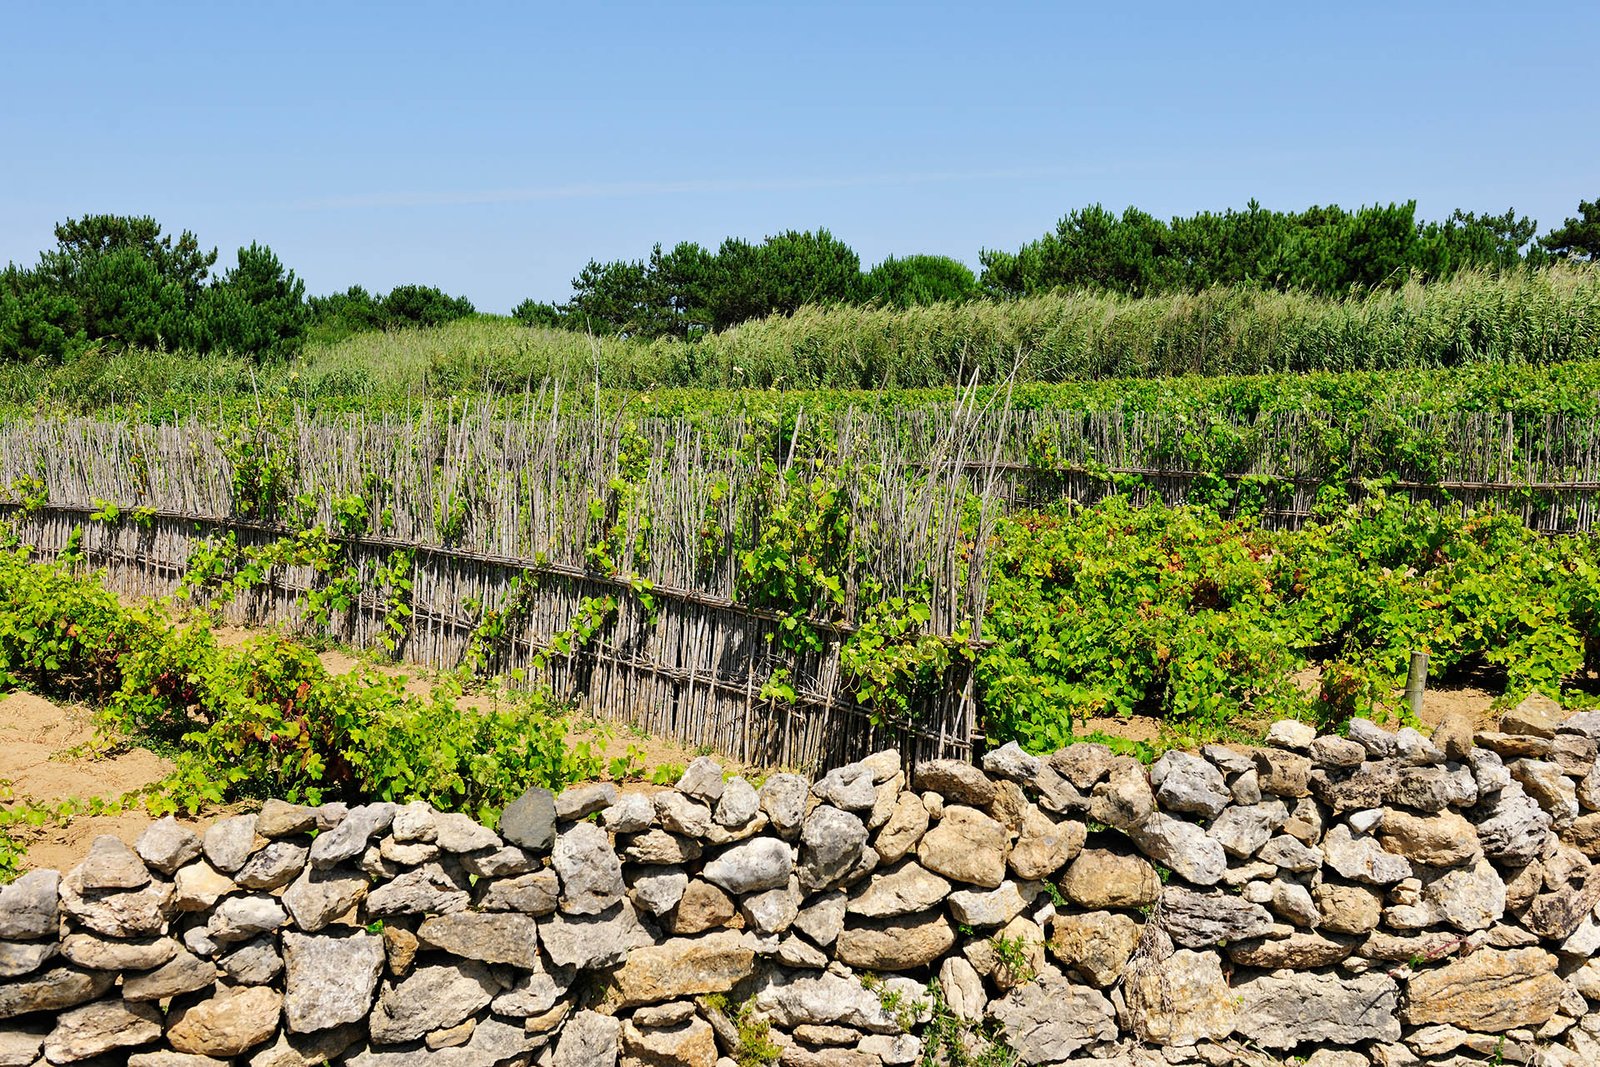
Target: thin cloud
[(690, 187)]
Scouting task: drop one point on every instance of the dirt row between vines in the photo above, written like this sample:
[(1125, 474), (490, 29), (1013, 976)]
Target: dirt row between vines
[(45, 754)]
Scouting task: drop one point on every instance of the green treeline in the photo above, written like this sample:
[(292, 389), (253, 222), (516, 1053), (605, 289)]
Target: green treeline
[(690, 291), (120, 283)]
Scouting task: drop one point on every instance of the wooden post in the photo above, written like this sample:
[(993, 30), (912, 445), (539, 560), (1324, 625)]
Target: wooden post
[(1417, 682)]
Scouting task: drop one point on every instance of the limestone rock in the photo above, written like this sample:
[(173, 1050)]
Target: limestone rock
[(1010, 762), (107, 954), (455, 832), (702, 779), (253, 963), (18, 958), (1432, 788), (489, 936), (907, 822), (1551, 789), (783, 798), (1536, 716), (831, 845), (1047, 1021), (1083, 763), (584, 799), (657, 890), (198, 886), (429, 890), (125, 913), (682, 815), (532, 894), (329, 979), (983, 908), (703, 907), (229, 1023), (349, 839), (1300, 951), (1283, 774), (631, 813), (1362, 859), (241, 918), (1347, 909), (1445, 839), (963, 989), (822, 999), (823, 919), (110, 865), (30, 906), (1331, 750), (903, 890), (1124, 798), (1187, 783), (317, 898), (1289, 854), (897, 944), (850, 788), (593, 940), (588, 1040), (764, 863), (165, 846), (1096, 945), (499, 862), (55, 990), (771, 912), (1043, 846), (966, 846), (535, 993), (279, 818), (1291, 734), (273, 867), (1490, 991), (955, 780), (19, 1046), (684, 967), (1181, 1000), (184, 973), (739, 804), (530, 820), (1511, 826), (1201, 920), (1279, 1011), (660, 847), (1099, 878), (433, 997), (689, 1044), (1467, 898), (589, 869), (229, 842), (1241, 830), (96, 1029), (1182, 846)]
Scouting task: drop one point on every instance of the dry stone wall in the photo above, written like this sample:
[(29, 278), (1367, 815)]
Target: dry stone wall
[(1382, 898)]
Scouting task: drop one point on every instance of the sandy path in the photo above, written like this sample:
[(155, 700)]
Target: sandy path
[(36, 742)]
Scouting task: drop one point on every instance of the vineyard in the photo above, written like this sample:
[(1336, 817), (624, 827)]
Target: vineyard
[(796, 577), (797, 589)]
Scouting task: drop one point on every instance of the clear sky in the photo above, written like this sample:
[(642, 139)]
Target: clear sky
[(491, 149)]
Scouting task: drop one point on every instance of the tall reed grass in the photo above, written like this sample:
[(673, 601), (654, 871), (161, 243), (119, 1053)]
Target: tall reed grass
[(1474, 320)]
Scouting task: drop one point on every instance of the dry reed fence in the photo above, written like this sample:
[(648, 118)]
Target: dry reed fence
[(1544, 468), (483, 499), (485, 502)]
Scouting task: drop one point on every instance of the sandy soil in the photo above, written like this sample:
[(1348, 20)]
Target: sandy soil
[(37, 757), (45, 750)]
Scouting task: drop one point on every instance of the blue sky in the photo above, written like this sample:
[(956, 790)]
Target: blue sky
[(492, 149)]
